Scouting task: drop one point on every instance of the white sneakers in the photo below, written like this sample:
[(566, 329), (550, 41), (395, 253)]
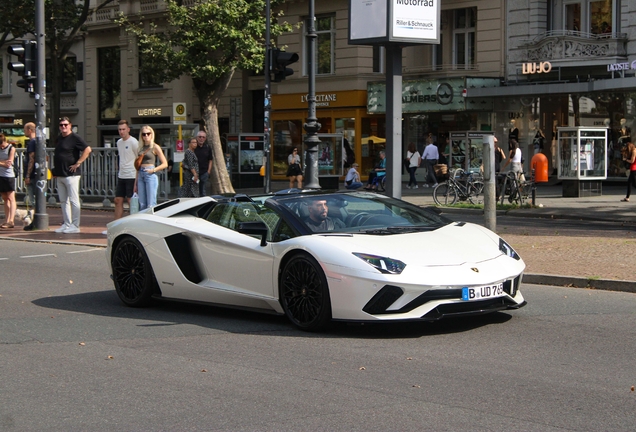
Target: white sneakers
[(412, 187), (62, 228), (71, 230), (68, 229), (435, 185)]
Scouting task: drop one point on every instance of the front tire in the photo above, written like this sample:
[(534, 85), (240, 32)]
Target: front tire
[(304, 293), (444, 194), (132, 273)]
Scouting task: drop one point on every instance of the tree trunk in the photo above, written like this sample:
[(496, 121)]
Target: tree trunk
[(209, 95)]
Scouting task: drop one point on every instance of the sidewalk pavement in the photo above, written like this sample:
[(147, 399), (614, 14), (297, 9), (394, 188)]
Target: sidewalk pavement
[(549, 204)]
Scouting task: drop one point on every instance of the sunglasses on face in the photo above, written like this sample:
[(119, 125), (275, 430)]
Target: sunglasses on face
[(145, 133), (64, 124)]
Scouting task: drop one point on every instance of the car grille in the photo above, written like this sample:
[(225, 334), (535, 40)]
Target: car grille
[(388, 294)]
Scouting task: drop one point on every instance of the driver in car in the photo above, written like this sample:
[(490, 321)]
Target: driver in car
[(318, 221)]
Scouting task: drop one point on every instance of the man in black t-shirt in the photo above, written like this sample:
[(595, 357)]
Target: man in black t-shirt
[(70, 151), (318, 220), (204, 156)]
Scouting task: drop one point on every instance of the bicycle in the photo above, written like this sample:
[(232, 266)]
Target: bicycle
[(461, 186), (517, 191)]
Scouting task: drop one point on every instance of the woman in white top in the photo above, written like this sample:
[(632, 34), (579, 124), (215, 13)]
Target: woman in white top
[(414, 159), (514, 160)]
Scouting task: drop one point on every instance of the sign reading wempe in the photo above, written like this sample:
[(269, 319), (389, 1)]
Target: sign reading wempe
[(415, 20)]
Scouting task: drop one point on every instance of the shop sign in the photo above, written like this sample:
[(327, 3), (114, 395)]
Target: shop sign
[(322, 100), (432, 95), (149, 112), (537, 68), (621, 66)]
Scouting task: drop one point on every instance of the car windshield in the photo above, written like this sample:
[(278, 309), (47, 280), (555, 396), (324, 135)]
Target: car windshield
[(360, 212)]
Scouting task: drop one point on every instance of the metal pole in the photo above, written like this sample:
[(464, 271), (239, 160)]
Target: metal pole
[(267, 100), (41, 217), (490, 199), (394, 120), (312, 126)]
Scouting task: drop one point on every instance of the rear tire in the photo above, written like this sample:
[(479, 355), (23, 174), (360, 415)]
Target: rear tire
[(444, 194), (132, 273), (304, 293)]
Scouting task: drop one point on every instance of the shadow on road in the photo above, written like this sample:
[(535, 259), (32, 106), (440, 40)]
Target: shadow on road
[(171, 313)]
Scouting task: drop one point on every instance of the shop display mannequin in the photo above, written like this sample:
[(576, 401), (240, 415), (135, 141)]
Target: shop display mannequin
[(513, 133), (624, 133), (539, 138)]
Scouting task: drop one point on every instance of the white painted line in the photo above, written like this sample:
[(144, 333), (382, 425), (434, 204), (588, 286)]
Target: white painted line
[(3, 259), (88, 250), (38, 256)]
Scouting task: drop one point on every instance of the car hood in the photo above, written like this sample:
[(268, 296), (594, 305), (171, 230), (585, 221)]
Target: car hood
[(453, 244)]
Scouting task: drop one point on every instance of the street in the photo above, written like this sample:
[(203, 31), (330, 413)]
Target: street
[(76, 359)]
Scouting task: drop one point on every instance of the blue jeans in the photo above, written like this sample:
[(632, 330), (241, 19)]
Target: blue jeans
[(412, 181), (203, 181), (147, 186)]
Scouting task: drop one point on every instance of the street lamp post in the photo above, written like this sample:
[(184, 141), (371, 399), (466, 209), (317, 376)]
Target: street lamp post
[(312, 126), (41, 217)]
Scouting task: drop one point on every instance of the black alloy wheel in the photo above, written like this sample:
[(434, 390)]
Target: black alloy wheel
[(304, 294), (132, 273)]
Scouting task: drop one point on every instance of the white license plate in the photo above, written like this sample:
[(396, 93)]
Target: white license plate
[(483, 292)]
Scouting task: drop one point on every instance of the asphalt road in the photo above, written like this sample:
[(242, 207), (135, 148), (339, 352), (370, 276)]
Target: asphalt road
[(74, 358)]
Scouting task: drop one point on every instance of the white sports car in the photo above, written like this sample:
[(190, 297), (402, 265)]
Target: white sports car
[(315, 257)]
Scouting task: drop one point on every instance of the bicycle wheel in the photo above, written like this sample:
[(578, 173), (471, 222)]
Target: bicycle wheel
[(475, 192), (516, 193), (444, 194)]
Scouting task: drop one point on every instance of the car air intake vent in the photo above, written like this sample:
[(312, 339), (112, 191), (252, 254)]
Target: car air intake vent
[(165, 205), (383, 299), (181, 249)]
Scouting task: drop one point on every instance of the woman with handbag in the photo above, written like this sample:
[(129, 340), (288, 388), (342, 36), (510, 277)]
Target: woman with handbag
[(7, 181), (147, 182), (294, 172), (190, 165)]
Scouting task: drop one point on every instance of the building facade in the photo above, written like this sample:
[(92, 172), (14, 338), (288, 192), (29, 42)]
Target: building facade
[(538, 64)]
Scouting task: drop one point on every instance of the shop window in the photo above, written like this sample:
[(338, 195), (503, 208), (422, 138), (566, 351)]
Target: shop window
[(109, 82), (147, 79), (287, 134), (464, 38), (325, 46)]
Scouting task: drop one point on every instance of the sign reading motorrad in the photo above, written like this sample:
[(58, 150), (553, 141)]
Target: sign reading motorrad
[(382, 21)]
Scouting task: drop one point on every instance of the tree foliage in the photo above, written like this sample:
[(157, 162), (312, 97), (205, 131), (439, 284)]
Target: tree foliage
[(206, 40)]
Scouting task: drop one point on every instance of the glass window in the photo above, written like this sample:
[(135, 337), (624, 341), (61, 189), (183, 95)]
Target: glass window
[(287, 134), (69, 75), (325, 45), (464, 38), (109, 78), (601, 17), (573, 17), (147, 79)]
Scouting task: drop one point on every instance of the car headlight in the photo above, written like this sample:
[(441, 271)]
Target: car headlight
[(508, 250), (382, 264)]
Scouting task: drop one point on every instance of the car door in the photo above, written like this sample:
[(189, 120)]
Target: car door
[(233, 261)]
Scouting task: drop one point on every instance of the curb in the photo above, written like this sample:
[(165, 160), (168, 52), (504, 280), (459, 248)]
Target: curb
[(579, 282)]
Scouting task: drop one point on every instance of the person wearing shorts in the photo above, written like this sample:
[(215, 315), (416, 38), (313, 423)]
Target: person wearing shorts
[(128, 150)]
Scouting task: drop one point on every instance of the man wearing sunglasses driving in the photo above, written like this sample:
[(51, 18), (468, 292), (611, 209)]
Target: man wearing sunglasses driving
[(70, 152)]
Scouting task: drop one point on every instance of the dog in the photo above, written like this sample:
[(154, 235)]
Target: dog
[(26, 216)]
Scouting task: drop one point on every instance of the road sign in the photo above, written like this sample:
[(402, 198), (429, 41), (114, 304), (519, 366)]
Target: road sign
[(179, 113)]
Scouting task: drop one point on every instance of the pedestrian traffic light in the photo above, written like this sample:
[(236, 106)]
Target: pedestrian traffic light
[(26, 65), (280, 61)]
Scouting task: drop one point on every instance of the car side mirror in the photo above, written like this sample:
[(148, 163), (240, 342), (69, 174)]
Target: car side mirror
[(254, 228)]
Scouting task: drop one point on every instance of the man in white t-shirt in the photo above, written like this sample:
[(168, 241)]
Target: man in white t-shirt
[(128, 150)]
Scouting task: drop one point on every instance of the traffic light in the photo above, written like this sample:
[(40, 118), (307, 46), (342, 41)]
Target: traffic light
[(280, 61), (26, 65)]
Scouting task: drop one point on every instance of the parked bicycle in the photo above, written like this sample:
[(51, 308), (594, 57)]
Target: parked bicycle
[(515, 190), (460, 186)]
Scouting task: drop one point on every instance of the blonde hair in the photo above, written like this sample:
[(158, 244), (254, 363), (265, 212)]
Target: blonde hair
[(152, 136)]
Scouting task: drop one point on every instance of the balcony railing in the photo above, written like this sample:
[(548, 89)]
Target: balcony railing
[(104, 15), (572, 45)]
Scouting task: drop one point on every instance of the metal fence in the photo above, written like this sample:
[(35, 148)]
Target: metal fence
[(98, 178)]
